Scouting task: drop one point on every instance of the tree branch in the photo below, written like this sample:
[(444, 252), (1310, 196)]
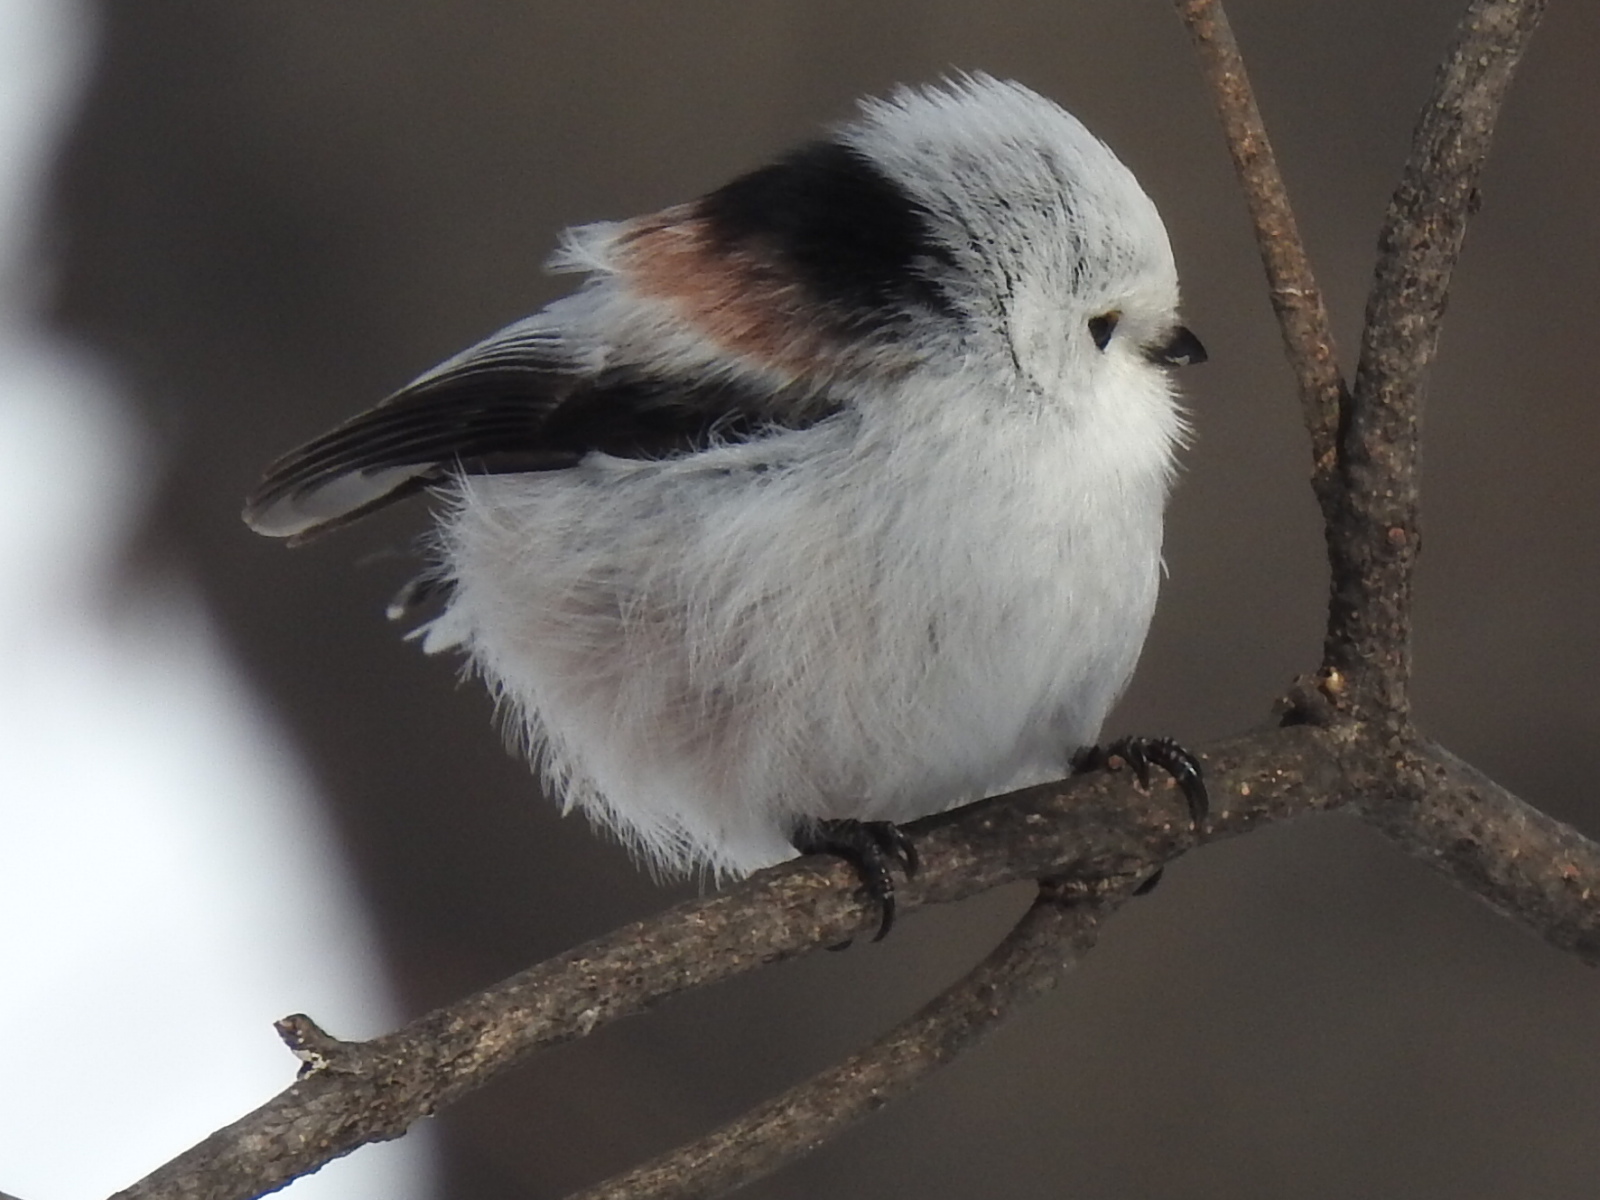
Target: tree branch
[(1093, 827), (372, 1091), (1524, 863), (1364, 444), (1373, 537), (1296, 298), (1058, 929)]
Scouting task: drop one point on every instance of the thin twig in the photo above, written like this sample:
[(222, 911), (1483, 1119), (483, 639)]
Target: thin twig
[(1055, 932), (1302, 316)]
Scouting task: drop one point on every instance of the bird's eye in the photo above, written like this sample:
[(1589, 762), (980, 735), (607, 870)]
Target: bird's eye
[(1102, 327)]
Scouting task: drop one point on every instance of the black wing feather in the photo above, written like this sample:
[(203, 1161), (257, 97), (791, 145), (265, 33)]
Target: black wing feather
[(512, 404)]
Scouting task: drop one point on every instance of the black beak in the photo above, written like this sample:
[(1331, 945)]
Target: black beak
[(1182, 349)]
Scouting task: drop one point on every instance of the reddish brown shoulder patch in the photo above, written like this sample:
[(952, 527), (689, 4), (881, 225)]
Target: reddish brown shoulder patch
[(731, 295)]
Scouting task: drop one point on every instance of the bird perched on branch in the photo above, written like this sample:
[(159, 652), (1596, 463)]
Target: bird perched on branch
[(828, 500)]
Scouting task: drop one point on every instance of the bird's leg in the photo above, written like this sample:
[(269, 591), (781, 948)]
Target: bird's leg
[(868, 846)]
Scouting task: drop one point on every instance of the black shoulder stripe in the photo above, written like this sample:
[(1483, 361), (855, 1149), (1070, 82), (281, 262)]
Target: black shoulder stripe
[(851, 235)]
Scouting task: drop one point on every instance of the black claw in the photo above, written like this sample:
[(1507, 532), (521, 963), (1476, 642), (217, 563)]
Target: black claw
[(869, 847), (1142, 753), (896, 843)]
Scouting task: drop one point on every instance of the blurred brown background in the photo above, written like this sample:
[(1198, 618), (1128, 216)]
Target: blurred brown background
[(273, 213)]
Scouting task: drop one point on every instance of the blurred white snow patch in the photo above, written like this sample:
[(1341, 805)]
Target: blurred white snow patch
[(46, 50), (168, 885)]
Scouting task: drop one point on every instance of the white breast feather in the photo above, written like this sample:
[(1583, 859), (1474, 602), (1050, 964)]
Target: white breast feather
[(964, 584)]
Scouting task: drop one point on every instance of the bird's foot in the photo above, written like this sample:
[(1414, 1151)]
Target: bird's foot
[(870, 847), (1142, 753)]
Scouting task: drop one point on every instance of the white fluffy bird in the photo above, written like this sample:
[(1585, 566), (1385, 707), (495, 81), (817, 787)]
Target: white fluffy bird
[(829, 500)]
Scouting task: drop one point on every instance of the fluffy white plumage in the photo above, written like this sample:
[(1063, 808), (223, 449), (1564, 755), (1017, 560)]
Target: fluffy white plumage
[(930, 590)]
